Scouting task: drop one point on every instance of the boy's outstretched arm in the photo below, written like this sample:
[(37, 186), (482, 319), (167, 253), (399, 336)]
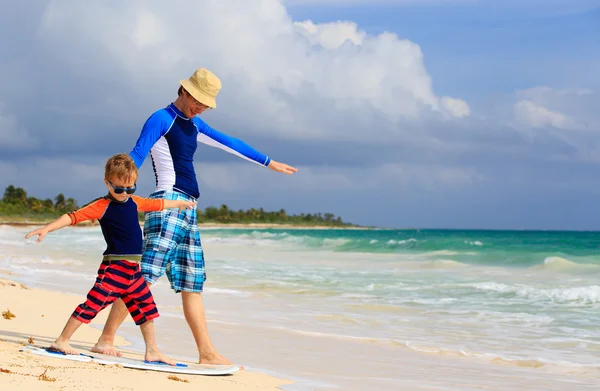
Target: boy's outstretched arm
[(57, 224)]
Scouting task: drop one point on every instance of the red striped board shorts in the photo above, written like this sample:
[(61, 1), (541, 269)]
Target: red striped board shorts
[(119, 280)]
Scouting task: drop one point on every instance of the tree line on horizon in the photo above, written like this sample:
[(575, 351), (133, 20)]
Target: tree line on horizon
[(16, 202)]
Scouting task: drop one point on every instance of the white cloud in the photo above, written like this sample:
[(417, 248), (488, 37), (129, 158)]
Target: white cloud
[(546, 94), (292, 77), (356, 111), (319, 83), (538, 116), (456, 107), (331, 35), (543, 106)]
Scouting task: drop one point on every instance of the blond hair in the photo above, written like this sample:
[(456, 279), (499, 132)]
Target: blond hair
[(121, 166)]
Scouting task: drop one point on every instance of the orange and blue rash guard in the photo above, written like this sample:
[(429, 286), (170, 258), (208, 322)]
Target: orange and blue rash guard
[(119, 223)]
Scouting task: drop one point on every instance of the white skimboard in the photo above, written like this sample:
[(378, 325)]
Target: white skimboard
[(52, 353), (181, 368)]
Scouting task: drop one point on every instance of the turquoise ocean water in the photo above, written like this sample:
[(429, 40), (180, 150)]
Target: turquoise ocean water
[(522, 298)]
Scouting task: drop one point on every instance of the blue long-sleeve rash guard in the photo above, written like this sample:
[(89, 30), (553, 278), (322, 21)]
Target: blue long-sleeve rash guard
[(171, 138)]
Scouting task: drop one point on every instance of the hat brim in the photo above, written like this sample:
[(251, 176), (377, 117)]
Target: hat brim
[(198, 95)]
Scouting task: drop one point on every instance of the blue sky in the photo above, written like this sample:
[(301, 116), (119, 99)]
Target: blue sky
[(482, 48), (430, 114)]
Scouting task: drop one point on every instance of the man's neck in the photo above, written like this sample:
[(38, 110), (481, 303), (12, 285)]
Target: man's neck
[(179, 104)]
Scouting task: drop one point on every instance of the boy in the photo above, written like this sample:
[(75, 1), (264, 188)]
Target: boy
[(119, 275)]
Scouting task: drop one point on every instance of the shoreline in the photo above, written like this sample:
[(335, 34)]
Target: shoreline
[(27, 223), (39, 317)]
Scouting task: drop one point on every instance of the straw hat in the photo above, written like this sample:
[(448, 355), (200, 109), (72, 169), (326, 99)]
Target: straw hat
[(204, 86)]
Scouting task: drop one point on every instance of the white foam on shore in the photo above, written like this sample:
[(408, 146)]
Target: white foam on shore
[(12, 242), (570, 295), (474, 243), (559, 264), (229, 292)]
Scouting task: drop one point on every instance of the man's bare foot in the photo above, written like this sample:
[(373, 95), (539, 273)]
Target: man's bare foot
[(153, 355), (216, 359), (63, 347), (105, 348)]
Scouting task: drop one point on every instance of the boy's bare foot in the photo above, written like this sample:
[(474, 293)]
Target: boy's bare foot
[(158, 356), (63, 347), (105, 348)]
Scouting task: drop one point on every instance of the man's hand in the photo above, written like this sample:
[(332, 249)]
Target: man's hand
[(281, 167)]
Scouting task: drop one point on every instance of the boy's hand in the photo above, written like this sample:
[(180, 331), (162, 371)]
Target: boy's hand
[(183, 205), (41, 232)]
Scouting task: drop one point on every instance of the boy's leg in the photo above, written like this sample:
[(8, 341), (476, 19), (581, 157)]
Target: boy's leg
[(157, 237), (103, 293), (62, 342)]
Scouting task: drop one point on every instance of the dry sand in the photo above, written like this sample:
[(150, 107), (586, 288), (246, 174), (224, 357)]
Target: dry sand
[(39, 318)]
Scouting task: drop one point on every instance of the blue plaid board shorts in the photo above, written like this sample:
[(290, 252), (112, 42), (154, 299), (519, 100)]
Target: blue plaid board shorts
[(172, 246)]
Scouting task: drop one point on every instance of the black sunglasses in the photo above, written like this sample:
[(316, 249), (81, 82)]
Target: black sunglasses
[(120, 190)]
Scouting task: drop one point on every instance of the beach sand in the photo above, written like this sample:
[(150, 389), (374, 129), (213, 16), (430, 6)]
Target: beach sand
[(39, 318)]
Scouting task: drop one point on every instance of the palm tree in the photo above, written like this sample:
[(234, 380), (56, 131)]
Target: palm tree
[(70, 204), (15, 196), (59, 201)]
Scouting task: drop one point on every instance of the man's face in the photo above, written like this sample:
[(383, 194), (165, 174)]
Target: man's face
[(192, 107)]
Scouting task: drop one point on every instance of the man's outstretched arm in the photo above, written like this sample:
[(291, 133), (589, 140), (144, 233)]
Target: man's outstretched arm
[(213, 137)]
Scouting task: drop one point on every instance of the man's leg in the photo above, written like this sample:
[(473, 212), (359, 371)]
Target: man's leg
[(193, 309), (106, 342), (186, 274)]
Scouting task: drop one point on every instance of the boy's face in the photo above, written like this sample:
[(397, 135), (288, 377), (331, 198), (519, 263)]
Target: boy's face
[(119, 184)]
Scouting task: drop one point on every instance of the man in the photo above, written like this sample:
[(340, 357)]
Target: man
[(171, 238)]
